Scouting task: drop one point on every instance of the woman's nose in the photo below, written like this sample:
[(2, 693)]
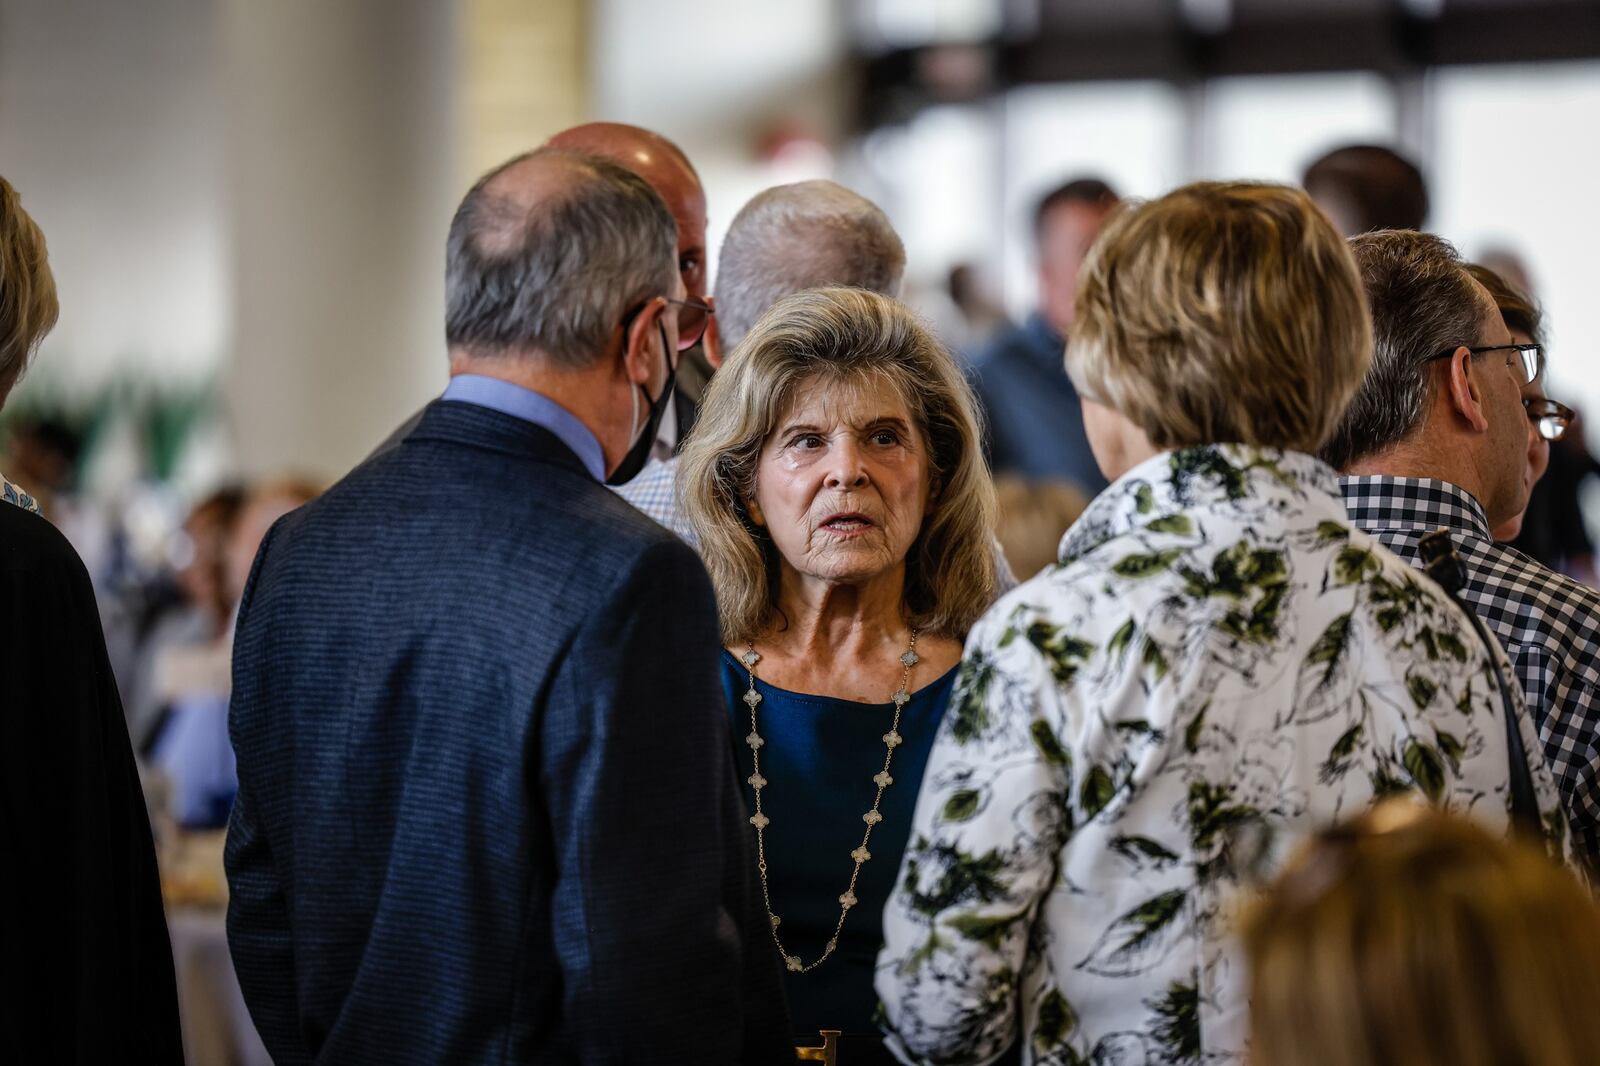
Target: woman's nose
[(846, 470)]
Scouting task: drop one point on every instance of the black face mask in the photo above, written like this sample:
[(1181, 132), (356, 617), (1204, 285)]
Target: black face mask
[(639, 454)]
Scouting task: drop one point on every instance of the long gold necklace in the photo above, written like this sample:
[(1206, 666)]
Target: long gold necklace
[(891, 741)]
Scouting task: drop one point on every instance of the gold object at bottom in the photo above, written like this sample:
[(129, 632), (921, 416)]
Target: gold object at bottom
[(828, 1053)]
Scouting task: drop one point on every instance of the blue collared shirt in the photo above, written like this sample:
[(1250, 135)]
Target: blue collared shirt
[(1035, 416), (530, 406)]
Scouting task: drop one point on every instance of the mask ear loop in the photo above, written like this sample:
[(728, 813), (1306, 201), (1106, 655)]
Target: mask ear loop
[(633, 417)]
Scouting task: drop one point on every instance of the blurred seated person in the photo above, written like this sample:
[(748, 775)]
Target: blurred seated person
[(1034, 423), (192, 748), (837, 485), (1366, 187), (1410, 936), (86, 968), (1220, 666), (1033, 517), (200, 616)]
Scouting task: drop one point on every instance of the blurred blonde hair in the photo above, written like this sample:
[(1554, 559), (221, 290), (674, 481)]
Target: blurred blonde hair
[(28, 307), (1411, 936), (1222, 312), (840, 334)]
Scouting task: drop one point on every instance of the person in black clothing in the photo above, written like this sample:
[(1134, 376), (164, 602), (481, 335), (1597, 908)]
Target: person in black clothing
[(85, 964)]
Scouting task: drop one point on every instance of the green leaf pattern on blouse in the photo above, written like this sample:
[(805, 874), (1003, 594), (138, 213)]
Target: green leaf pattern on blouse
[(1218, 665)]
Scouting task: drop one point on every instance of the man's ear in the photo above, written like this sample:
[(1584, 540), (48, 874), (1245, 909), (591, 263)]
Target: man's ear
[(642, 333), (712, 340), (1465, 388)]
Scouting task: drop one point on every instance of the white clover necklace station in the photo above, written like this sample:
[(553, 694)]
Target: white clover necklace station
[(891, 740)]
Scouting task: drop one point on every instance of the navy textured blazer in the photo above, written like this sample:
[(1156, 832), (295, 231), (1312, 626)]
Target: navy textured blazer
[(487, 810)]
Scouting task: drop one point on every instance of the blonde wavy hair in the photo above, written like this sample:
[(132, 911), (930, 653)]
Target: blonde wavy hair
[(1412, 936), (840, 334), (28, 307), (1224, 312)]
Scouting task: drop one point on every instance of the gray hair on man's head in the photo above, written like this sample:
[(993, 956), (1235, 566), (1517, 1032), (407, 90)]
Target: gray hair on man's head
[(1422, 302), (808, 235), (553, 262)]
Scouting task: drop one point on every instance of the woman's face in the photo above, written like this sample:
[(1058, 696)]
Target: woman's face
[(842, 484)]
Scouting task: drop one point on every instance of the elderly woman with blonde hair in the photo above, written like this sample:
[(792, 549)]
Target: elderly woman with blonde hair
[(1218, 665), (844, 510), (1407, 936)]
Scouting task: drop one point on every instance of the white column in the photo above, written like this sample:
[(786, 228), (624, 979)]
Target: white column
[(341, 175)]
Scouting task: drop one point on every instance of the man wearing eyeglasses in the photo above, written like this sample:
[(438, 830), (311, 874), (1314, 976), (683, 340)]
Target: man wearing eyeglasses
[(1551, 528), (1439, 435)]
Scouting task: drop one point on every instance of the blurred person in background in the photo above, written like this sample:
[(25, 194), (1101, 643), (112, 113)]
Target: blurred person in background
[(198, 614), (1210, 674), (1366, 187), (1034, 422), (1551, 528), (837, 484), (962, 312), (486, 807), (1407, 936), (1572, 467), (86, 970), (42, 453), (1438, 436), (1034, 515), (189, 745), (980, 311)]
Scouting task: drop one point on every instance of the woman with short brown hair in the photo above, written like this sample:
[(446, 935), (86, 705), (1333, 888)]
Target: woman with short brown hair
[(1217, 666)]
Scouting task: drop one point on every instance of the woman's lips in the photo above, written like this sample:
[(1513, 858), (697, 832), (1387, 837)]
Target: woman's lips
[(847, 524)]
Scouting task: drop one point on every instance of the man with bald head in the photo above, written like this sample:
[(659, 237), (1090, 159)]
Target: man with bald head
[(665, 168), (486, 808)]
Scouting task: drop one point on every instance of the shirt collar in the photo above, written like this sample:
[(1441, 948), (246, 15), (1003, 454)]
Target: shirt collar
[(530, 406), (1227, 477), (1380, 502)]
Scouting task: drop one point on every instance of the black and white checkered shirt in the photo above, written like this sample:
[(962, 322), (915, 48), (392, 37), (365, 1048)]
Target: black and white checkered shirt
[(1549, 624)]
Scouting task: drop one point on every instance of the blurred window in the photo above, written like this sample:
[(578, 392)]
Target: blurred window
[(1269, 128), (1514, 163)]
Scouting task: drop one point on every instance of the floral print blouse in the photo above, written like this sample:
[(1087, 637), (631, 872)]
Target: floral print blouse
[(1219, 665), (14, 496)]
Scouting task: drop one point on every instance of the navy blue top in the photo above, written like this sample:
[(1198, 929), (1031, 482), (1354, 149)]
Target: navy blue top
[(819, 759), (1035, 424)]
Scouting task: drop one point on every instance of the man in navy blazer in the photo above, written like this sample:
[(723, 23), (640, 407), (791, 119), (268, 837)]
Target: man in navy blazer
[(486, 810)]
